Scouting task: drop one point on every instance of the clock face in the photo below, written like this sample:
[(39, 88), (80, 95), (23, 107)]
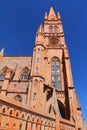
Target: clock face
[(54, 41)]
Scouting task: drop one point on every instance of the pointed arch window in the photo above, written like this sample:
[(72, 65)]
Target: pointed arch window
[(18, 98), (3, 73), (37, 70), (50, 29), (34, 96), (56, 29), (56, 80), (35, 82), (37, 60), (38, 51), (25, 74)]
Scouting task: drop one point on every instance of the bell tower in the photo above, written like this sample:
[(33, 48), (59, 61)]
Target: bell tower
[(51, 83)]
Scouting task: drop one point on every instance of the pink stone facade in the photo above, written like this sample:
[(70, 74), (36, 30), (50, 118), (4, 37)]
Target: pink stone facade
[(37, 93)]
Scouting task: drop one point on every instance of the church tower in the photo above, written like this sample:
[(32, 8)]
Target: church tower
[(37, 93), (51, 77)]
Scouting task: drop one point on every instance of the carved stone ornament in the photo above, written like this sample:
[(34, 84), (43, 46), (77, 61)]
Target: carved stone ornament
[(54, 41)]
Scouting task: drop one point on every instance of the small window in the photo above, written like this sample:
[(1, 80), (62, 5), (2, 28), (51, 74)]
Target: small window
[(37, 70), (25, 74), (34, 96), (35, 82), (38, 51), (3, 73), (37, 60), (18, 98)]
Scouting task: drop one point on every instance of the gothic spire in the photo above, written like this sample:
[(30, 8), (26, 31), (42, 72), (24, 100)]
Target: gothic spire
[(52, 15), (2, 51), (59, 17), (40, 29)]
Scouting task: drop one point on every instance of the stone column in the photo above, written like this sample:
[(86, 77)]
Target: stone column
[(11, 123), (70, 85), (68, 68), (34, 126), (50, 128), (44, 100), (17, 123), (29, 95), (23, 125), (57, 124), (42, 127), (39, 124), (46, 127), (29, 126), (3, 121)]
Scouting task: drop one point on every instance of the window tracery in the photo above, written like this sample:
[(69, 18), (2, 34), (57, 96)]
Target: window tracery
[(56, 81), (34, 96), (3, 73), (25, 74), (50, 29), (18, 98)]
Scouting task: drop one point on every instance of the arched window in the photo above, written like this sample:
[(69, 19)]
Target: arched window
[(35, 82), (37, 60), (37, 70), (18, 98), (56, 29), (3, 73), (34, 96), (38, 51), (56, 81), (25, 74), (50, 29)]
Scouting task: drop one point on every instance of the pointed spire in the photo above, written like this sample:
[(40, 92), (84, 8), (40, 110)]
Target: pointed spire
[(59, 17), (2, 51), (40, 29), (52, 15), (46, 15)]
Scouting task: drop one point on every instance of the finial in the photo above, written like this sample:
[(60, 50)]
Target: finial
[(59, 17), (2, 51), (52, 14), (46, 15), (40, 29)]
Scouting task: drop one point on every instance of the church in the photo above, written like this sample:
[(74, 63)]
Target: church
[(37, 93)]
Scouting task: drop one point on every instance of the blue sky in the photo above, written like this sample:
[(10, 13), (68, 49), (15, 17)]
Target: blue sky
[(19, 21)]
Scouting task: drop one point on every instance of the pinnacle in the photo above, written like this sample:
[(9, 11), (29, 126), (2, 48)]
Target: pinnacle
[(52, 14), (40, 29), (2, 51), (59, 17)]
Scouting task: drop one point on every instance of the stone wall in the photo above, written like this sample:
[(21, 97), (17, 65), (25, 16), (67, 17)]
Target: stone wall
[(14, 116)]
